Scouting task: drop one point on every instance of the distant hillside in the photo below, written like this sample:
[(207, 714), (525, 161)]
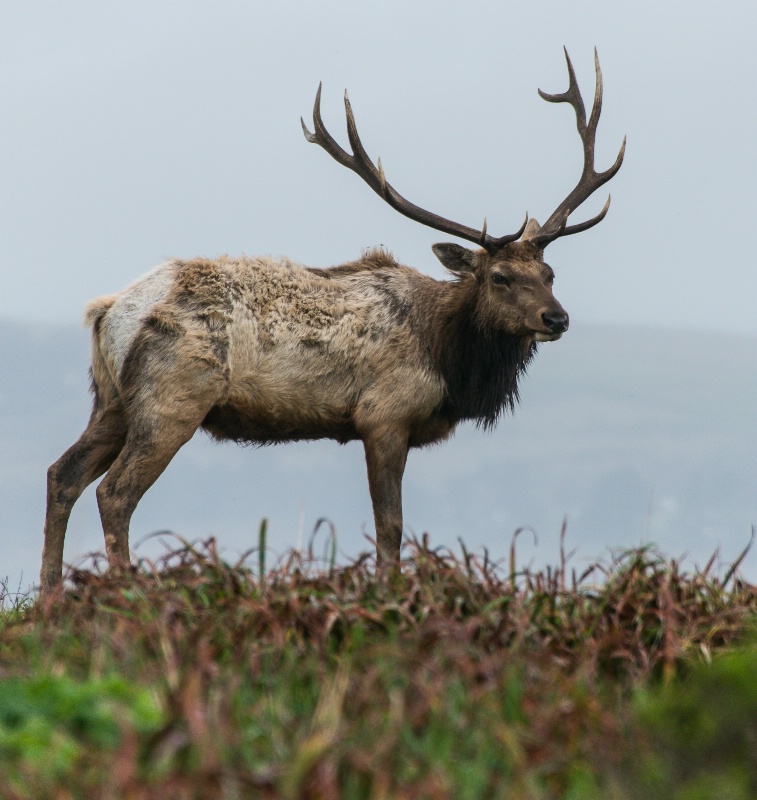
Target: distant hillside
[(634, 435)]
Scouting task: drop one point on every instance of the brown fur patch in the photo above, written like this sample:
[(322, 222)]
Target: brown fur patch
[(205, 283), (374, 259), (164, 319)]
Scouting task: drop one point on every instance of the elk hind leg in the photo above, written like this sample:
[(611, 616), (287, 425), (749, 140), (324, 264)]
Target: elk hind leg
[(69, 476), (148, 450)]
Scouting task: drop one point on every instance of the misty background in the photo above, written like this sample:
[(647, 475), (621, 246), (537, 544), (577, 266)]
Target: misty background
[(133, 133)]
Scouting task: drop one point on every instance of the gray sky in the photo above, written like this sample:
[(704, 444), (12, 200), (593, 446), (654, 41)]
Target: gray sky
[(133, 132)]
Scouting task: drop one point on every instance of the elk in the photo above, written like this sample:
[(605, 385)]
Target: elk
[(263, 350)]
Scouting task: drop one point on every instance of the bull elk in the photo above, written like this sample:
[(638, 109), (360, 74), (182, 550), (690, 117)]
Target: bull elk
[(262, 350)]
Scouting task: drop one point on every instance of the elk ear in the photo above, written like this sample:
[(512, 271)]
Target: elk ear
[(456, 258)]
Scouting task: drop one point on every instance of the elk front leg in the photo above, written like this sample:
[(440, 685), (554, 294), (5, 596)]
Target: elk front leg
[(386, 455)]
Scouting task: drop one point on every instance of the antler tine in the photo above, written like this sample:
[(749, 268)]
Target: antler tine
[(322, 136), (497, 244), (590, 179), (360, 163), (572, 94), (596, 106)]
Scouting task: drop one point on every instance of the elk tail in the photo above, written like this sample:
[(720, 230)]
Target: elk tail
[(104, 384), (97, 309)]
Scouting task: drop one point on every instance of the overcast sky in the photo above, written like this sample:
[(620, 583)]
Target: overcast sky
[(136, 131)]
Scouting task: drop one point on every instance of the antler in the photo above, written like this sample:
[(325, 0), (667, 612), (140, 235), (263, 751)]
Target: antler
[(361, 163), (590, 179)]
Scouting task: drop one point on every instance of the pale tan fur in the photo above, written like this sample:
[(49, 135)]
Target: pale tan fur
[(288, 345)]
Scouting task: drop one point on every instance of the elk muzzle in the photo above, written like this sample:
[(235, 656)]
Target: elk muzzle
[(555, 323)]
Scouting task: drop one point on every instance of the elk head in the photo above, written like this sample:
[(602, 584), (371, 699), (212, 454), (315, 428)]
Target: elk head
[(514, 287), (515, 283)]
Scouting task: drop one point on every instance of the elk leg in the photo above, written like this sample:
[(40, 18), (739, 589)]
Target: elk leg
[(148, 450), (69, 476), (386, 455)]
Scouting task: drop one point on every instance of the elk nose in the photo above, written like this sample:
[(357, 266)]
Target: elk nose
[(556, 321)]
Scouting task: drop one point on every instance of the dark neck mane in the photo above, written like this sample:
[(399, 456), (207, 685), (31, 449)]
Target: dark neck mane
[(480, 366)]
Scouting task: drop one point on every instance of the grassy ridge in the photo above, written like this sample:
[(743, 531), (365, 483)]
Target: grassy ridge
[(456, 678)]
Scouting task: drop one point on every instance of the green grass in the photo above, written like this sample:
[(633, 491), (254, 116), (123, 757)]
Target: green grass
[(454, 678)]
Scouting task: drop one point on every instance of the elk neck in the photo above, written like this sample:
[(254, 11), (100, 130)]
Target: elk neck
[(481, 365)]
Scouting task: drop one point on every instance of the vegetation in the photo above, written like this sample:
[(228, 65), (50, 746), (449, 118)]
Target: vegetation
[(454, 678)]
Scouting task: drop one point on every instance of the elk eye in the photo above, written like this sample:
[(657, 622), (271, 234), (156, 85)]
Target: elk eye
[(500, 279)]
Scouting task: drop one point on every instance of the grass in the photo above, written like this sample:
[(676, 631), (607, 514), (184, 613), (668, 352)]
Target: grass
[(455, 678)]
